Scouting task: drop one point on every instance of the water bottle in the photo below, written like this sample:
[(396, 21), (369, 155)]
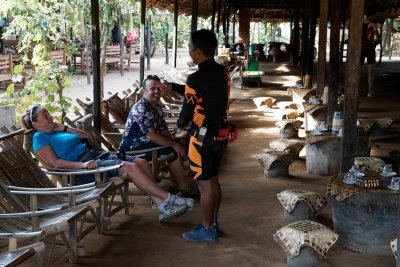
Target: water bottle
[(337, 122)]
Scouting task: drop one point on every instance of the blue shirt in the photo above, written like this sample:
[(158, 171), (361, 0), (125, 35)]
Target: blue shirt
[(67, 146), (141, 120)]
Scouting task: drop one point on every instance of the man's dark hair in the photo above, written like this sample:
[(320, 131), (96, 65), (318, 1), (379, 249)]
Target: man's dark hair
[(205, 40), (149, 78)]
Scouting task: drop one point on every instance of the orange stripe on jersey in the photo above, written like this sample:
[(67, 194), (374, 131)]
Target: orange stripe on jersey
[(189, 90), (195, 156)]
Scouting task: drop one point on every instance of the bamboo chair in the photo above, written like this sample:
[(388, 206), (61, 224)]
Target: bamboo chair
[(13, 258), (111, 186), (115, 106), (156, 162), (35, 190), (17, 222)]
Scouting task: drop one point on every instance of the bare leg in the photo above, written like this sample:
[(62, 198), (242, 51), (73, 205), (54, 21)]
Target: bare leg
[(144, 182), (371, 78), (144, 166), (217, 194), (177, 175), (207, 202)]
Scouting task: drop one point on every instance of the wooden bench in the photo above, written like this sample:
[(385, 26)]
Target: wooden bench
[(6, 68), (112, 56), (59, 56)]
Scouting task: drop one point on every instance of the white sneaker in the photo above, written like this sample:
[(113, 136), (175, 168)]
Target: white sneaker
[(189, 202), (169, 210)]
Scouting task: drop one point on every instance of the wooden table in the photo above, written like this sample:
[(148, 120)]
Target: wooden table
[(365, 219)]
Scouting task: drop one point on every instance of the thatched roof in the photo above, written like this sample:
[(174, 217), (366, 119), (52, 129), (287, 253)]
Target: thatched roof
[(270, 9)]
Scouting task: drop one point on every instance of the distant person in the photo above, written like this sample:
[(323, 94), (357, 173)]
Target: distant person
[(370, 38), (115, 35), (238, 47)]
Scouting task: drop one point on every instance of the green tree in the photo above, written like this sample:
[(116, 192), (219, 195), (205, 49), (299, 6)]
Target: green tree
[(40, 27)]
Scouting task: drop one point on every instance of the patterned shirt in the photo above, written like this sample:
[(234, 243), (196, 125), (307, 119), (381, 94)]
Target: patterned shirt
[(142, 119)]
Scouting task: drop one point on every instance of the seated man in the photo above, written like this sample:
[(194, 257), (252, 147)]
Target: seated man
[(146, 128)]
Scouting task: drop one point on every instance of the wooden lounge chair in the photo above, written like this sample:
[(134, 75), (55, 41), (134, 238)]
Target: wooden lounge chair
[(18, 256), (85, 124), (6, 69)]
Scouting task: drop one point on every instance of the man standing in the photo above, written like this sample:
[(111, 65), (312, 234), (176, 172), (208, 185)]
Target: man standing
[(207, 94), (147, 129), (370, 37)]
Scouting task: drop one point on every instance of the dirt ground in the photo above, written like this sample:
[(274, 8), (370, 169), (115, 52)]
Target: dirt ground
[(250, 211)]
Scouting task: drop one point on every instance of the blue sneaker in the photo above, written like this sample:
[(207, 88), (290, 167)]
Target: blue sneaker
[(215, 228), (200, 234)]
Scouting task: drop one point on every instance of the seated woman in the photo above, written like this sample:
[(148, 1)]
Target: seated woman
[(62, 147)]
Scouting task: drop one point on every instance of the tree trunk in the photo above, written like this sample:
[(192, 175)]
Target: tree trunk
[(86, 54), (103, 57), (121, 44)]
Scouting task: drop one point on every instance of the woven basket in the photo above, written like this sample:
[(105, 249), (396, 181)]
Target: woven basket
[(368, 182)]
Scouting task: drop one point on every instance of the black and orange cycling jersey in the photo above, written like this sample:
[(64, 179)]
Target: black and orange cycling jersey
[(207, 97)]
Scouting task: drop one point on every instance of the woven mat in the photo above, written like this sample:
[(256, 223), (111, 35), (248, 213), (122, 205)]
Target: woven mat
[(393, 246), (312, 139), (366, 124), (287, 145), (267, 101), (305, 233), (371, 166), (177, 76), (309, 106), (266, 159), (283, 123), (291, 197), (288, 104), (383, 123), (341, 191), (298, 92)]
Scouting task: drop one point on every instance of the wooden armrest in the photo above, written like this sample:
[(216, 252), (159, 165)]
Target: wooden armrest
[(51, 189), (134, 152), (81, 171), (55, 192), (29, 214)]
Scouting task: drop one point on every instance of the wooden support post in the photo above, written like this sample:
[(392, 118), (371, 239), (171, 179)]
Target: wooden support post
[(343, 36), (218, 17), (334, 58), (148, 41), (244, 25), (214, 10), (176, 8), (234, 26), (96, 65), (195, 15), (310, 51), (228, 15), (296, 38), (305, 38), (142, 24), (224, 22), (323, 21), (351, 84)]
